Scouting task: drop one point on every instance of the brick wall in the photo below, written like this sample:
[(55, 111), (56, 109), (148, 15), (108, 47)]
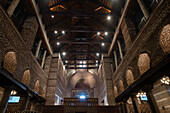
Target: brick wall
[(147, 41), (12, 40)]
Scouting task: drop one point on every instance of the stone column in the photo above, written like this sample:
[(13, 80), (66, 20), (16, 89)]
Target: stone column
[(152, 103), (115, 57), (129, 32), (47, 64), (5, 98), (38, 49), (108, 80), (143, 8), (151, 100), (29, 31), (125, 109), (120, 49), (52, 81), (135, 104), (12, 7), (43, 60), (24, 103)]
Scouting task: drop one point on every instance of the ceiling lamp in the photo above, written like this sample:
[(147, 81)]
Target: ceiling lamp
[(96, 61), (84, 65), (98, 33), (58, 43), (96, 64), (165, 80), (63, 32), (52, 16), (81, 62), (106, 33), (13, 92), (55, 32), (66, 61), (97, 54), (141, 94), (108, 17), (64, 53), (103, 44), (84, 62)]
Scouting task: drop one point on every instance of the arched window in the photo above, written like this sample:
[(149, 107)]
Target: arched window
[(143, 63), (129, 77), (37, 86), (121, 86), (10, 62), (26, 78), (164, 39), (115, 91)]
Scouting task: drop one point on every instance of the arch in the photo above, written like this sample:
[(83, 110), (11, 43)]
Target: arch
[(129, 77), (37, 86), (10, 62), (164, 39), (115, 91), (121, 86), (26, 78), (82, 84), (44, 91), (143, 63)]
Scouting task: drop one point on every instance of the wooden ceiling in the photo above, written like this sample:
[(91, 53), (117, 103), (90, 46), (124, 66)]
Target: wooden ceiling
[(81, 20)]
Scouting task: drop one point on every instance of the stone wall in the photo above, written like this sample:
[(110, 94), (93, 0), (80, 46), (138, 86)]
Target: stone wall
[(162, 96), (56, 87), (12, 40), (146, 43)]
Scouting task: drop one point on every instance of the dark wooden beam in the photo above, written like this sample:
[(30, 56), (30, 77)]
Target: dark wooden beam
[(79, 64), (81, 67), (81, 59), (76, 14), (83, 30), (93, 1)]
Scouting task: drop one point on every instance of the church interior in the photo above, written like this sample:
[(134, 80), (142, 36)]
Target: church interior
[(84, 56)]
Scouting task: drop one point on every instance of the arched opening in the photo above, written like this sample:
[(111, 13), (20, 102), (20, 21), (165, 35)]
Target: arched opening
[(164, 39), (37, 86), (129, 77), (26, 78), (10, 62), (121, 86), (81, 83), (115, 91), (143, 63)]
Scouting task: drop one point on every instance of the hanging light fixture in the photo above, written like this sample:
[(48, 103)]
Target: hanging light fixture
[(141, 94), (165, 80), (13, 92)]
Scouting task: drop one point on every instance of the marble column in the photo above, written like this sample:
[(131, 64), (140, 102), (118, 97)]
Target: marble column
[(115, 57), (12, 7), (5, 98), (43, 60), (143, 8), (120, 49), (38, 49)]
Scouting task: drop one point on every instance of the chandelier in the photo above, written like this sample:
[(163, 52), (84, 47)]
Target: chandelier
[(165, 80)]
